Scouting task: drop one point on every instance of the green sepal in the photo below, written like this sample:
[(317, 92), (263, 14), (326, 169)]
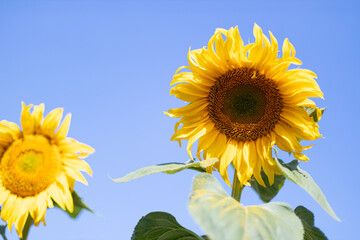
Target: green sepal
[(79, 205), (161, 226), (267, 193), (222, 217), (300, 177), (169, 168), (307, 219), (312, 112)]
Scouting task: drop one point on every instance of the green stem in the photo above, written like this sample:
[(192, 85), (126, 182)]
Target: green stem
[(28, 224), (3, 235), (236, 188)]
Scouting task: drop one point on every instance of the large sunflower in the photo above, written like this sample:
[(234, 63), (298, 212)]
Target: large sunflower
[(38, 166), (242, 101)]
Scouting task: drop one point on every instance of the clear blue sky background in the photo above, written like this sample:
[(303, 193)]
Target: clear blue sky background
[(110, 63)]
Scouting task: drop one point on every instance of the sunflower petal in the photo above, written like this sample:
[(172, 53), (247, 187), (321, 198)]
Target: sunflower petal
[(27, 121), (52, 121), (64, 128)]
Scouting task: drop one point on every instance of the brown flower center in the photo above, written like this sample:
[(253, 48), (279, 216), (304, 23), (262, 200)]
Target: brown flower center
[(244, 105)]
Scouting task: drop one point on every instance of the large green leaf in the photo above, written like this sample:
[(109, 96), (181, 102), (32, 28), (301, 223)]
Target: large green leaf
[(269, 192), (300, 177), (161, 226), (169, 168), (223, 218), (307, 219), (79, 205)]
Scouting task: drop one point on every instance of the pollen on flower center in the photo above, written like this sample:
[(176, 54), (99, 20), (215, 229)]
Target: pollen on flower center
[(30, 161), (29, 165), (244, 105)]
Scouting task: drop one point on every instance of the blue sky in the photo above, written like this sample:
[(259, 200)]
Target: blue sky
[(110, 64)]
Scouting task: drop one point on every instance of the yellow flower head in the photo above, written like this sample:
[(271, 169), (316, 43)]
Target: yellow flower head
[(242, 101), (38, 165)]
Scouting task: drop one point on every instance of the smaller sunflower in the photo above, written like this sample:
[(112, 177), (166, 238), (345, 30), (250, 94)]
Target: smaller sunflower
[(38, 165)]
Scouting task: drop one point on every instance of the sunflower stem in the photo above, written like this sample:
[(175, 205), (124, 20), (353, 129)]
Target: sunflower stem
[(3, 234), (28, 224), (236, 188)]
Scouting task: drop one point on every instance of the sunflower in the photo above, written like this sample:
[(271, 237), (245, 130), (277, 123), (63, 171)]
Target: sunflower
[(243, 100), (38, 166)]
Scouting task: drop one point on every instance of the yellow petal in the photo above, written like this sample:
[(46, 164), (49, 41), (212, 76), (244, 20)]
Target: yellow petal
[(57, 195), (217, 147), (238, 161), (37, 115), (52, 121), (41, 206), (226, 158), (257, 174), (64, 128), (207, 140), (201, 131), (183, 133), (13, 129), (75, 174), (300, 156), (190, 109), (22, 216), (27, 121), (285, 140), (269, 173), (72, 148), (77, 164), (4, 194)]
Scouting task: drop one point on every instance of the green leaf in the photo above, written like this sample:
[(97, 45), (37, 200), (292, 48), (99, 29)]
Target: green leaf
[(312, 112), (300, 177), (169, 168), (79, 205), (307, 219), (161, 226), (205, 237), (223, 218), (267, 193)]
